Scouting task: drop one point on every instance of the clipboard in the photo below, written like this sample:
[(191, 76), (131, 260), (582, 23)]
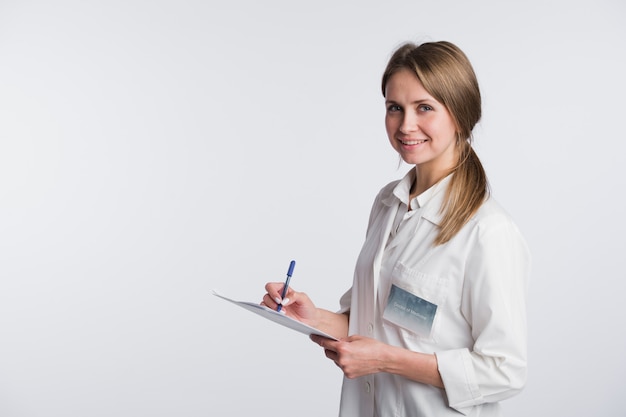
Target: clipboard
[(276, 317)]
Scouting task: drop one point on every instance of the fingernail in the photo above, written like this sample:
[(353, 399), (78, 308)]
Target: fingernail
[(285, 301), (278, 300)]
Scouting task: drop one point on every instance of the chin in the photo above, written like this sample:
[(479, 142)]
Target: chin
[(411, 161)]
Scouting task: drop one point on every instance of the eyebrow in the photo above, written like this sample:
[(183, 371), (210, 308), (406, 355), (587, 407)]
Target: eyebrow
[(420, 101)]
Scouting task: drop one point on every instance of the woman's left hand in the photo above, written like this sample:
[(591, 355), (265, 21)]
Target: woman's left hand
[(355, 355)]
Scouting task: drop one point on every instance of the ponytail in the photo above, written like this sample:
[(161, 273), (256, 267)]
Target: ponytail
[(466, 192)]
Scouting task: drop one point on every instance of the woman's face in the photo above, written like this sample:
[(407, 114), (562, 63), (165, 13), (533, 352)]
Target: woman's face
[(419, 128)]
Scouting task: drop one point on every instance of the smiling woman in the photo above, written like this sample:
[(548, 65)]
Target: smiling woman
[(435, 320), (153, 150), (433, 103)]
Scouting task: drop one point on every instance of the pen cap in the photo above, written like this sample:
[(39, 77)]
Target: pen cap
[(292, 264)]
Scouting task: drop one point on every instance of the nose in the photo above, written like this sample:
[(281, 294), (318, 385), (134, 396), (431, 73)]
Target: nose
[(409, 123)]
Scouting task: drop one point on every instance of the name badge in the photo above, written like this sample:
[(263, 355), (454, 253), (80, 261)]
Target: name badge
[(410, 311)]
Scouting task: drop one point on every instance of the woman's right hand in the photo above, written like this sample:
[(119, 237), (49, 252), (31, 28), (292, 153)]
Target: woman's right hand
[(296, 305)]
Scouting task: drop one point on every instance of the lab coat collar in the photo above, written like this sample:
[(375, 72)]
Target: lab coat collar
[(429, 202)]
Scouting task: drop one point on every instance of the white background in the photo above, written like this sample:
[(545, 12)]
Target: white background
[(151, 151)]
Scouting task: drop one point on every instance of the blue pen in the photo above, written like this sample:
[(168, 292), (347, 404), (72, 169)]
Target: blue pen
[(292, 264)]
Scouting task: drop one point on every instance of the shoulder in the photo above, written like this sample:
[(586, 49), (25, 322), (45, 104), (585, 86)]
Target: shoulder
[(491, 212), (383, 201), (493, 221), (386, 192)]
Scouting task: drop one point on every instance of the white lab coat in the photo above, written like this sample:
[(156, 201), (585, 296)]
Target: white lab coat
[(478, 280)]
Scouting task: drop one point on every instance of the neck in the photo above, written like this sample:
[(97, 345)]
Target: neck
[(426, 179), (430, 173)]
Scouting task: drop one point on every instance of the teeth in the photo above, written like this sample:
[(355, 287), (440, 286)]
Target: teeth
[(412, 142)]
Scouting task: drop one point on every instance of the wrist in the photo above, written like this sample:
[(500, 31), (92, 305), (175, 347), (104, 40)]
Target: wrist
[(388, 359), (335, 324)]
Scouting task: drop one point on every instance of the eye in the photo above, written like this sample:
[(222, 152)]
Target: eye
[(392, 108), (425, 107)]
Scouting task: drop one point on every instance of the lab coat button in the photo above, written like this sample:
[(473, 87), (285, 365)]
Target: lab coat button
[(370, 328), (368, 387)]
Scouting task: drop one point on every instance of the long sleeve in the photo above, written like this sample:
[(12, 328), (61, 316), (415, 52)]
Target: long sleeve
[(494, 303)]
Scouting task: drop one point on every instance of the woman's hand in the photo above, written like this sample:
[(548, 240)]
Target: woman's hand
[(296, 305), (355, 355), (358, 356)]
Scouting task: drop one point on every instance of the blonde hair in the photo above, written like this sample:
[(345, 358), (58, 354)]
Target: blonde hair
[(447, 74)]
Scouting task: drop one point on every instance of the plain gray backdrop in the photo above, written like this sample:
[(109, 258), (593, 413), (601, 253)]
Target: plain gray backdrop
[(151, 151)]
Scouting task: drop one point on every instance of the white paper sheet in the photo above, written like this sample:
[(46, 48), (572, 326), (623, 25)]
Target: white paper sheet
[(276, 317)]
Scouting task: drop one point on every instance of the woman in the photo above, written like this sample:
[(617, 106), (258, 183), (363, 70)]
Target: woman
[(435, 321)]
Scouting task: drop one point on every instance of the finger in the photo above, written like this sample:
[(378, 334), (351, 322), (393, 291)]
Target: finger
[(274, 288), (320, 340), (331, 354), (268, 302), (326, 343)]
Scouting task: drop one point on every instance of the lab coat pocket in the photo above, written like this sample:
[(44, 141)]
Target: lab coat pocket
[(415, 302)]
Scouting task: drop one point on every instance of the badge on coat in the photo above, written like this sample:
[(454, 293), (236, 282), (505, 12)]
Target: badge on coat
[(410, 311)]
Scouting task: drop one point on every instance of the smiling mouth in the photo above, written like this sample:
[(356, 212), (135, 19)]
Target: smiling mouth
[(412, 142)]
